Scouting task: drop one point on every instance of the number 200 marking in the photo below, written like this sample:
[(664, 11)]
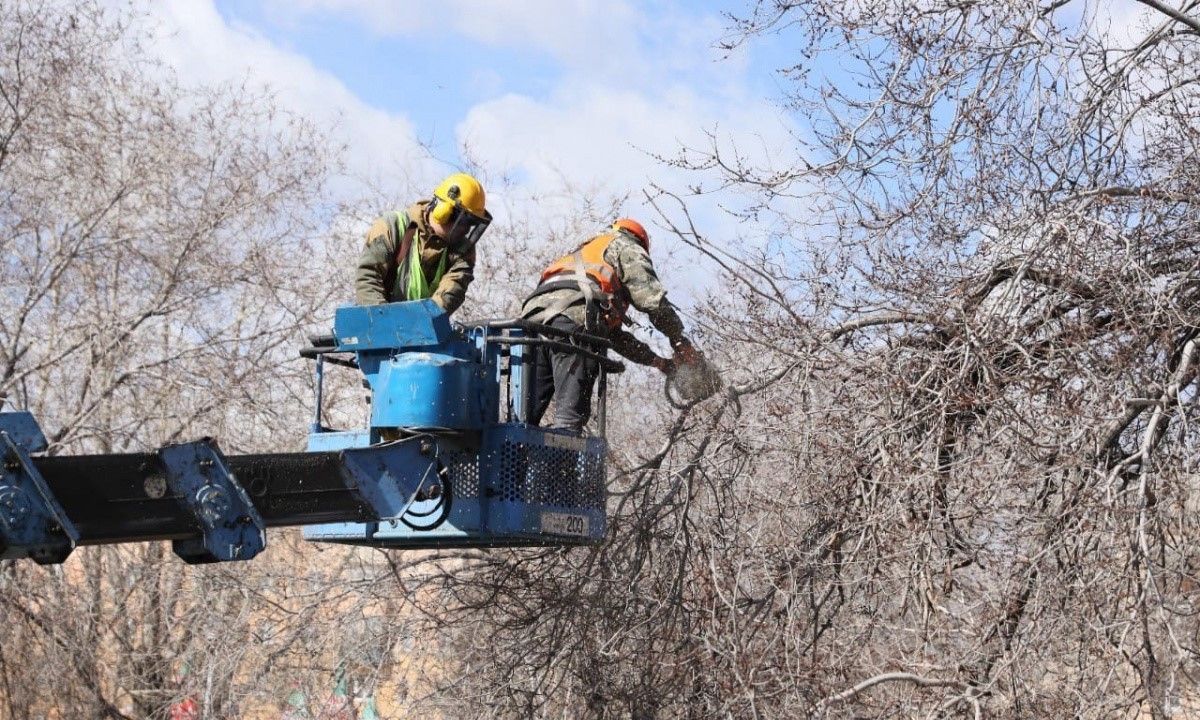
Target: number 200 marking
[(564, 524)]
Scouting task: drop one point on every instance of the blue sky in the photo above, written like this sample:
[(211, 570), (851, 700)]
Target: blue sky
[(532, 86), (546, 94), (556, 99), (538, 89), (405, 59)]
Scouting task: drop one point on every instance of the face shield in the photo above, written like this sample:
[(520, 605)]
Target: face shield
[(465, 228)]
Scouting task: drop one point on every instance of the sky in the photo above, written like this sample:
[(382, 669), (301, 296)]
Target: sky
[(539, 92), (543, 94)]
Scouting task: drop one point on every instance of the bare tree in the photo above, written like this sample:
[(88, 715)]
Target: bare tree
[(955, 471), (164, 248)]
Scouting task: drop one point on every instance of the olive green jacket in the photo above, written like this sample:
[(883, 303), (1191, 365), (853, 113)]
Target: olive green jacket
[(379, 279), (634, 267)]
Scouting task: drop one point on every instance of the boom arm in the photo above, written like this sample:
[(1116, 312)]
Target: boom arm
[(211, 507)]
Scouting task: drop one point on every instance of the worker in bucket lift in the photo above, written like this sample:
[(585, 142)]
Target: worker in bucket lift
[(426, 251), (590, 290)]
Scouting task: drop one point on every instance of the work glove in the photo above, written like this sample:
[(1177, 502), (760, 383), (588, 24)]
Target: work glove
[(687, 354), (664, 365)]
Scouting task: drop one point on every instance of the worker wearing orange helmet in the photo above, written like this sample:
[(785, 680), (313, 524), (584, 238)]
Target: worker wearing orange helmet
[(426, 251), (590, 290)]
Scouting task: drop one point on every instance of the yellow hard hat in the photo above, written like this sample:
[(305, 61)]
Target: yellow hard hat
[(458, 205), (459, 190)]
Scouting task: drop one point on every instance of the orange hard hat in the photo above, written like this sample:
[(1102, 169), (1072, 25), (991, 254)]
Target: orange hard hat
[(635, 228)]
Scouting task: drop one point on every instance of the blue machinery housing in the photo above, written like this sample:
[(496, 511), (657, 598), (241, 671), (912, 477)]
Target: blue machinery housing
[(448, 458), (460, 396)]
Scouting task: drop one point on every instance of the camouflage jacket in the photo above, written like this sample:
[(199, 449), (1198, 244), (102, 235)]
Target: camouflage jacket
[(379, 279), (633, 266)]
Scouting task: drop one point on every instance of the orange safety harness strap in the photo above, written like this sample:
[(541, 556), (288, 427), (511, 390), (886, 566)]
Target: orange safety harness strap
[(585, 271)]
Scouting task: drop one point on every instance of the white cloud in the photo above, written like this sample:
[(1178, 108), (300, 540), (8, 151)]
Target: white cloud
[(1124, 22), (599, 137), (197, 42), (602, 134)]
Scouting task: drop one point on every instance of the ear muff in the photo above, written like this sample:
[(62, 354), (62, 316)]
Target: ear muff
[(442, 209)]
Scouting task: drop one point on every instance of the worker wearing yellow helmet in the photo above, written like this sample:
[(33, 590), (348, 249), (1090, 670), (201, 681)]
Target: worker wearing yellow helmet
[(427, 250)]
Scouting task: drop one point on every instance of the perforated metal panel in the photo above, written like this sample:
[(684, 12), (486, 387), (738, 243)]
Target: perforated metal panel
[(523, 486), (541, 475), (464, 473)]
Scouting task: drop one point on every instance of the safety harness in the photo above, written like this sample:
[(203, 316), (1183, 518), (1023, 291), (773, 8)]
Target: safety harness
[(597, 282)]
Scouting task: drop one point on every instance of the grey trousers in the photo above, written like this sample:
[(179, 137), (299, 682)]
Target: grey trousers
[(565, 377)]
